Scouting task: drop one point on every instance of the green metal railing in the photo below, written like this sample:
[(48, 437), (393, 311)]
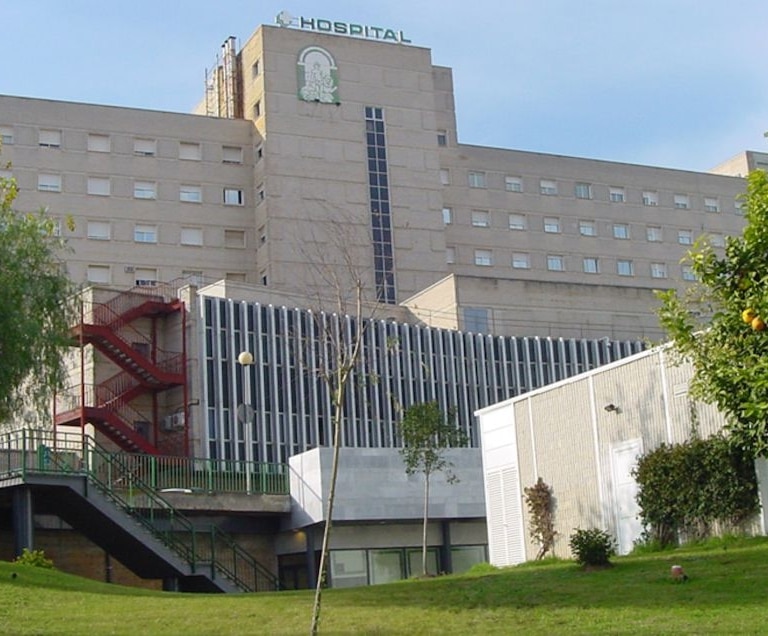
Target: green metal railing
[(118, 476), (210, 475)]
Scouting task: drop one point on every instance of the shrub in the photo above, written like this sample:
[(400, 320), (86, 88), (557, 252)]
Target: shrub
[(541, 508), (35, 558), (592, 547), (685, 489)]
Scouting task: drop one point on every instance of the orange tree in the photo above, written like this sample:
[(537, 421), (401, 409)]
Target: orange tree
[(719, 323)]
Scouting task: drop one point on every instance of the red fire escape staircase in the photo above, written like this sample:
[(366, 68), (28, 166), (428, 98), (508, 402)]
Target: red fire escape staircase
[(146, 369)]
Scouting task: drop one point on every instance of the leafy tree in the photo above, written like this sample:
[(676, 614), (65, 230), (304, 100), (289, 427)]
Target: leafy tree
[(36, 313), (719, 323), (426, 433)]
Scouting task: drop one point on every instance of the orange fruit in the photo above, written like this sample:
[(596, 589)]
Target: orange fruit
[(748, 315), (758, 324)]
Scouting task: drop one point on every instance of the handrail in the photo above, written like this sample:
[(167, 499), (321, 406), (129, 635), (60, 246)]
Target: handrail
[(103, 315), (118, 477)]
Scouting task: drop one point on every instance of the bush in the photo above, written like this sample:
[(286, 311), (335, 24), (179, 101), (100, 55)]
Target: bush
[(685, 489), (592, 547), (35, 558), (541, 508)]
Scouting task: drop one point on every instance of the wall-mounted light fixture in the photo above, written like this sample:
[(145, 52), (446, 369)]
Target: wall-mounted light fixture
[(612, 408)]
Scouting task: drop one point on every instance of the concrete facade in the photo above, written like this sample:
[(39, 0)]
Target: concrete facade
[(277, 189)]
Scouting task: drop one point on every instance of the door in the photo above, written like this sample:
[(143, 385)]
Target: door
[(629, 526)]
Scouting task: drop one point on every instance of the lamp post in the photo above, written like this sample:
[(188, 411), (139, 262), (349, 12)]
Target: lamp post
[(245, 414)]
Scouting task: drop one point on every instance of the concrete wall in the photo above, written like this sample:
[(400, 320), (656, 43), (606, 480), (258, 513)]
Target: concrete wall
[(372, 485)]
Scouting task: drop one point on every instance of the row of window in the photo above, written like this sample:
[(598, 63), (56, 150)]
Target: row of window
[(587, 227), (582, 190), (149, 276), (102, 186), (144, 147), (147, 233), (557, 263)]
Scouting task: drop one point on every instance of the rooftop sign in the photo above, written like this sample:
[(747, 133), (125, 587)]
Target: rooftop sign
[(285, 19)]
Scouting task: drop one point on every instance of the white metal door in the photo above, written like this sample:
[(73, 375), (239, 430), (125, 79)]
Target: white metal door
[(629, 527)]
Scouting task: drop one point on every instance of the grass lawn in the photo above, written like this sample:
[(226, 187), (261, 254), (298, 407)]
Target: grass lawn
[(727, 593)]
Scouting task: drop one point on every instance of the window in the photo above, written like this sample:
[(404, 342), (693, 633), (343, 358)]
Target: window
[(447, 216), (262, 278), (257, 110), (442, 138), (450, 255), (260, 192), (233, 196), (591, 265), (551, 225), (513, 184), (144, 147), (190, 193), (262, 235), (98, 143), (625, 268), (256, 69), (49, 182), (50, 138), (99, 230), (476, 319), (481, 218), (348, 568), (145, 277), (587, 228), (711, 204), (484, 258), (145, 234), (234, 238), (583, 191), (6, 135), (517, 222), (520, 260), (653, 234), (98, 186), (717, 240), (144, 190), (555, 263), (6, 174), (191, 236), (685, 237), (658, 270), (620, 231), (98, 274), (476, 179), (617, 195), (682, 201), (232, 154), (738, 208), (650, 198), (687, 273), (445, 177), (547, 187), (190, 151)]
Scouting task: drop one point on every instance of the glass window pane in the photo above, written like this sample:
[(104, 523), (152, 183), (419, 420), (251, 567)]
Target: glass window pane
[(385, 565)]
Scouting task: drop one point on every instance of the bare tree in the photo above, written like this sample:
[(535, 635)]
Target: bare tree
[(341, 282)]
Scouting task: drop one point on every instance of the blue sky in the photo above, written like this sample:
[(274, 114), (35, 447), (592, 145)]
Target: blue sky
[(674, 83)]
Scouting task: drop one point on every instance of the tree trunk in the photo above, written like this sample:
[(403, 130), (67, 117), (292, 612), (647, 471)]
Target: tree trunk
[(424, 526), (321, 572)]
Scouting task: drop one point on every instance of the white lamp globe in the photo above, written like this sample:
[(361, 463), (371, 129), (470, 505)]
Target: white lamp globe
[(245, 358)]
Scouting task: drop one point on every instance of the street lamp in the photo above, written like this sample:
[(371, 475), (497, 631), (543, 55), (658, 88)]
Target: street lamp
[(245, 415)]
